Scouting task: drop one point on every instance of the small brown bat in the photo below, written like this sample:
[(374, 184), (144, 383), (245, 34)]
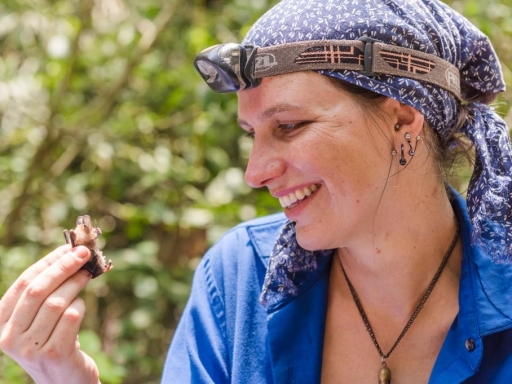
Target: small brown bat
[(86, 234)]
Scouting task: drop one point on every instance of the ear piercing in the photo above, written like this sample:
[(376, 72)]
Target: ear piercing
[(402, 157), (408, 138), (412, 150)]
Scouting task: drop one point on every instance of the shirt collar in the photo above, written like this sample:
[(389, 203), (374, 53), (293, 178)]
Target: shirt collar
[(291, 269)]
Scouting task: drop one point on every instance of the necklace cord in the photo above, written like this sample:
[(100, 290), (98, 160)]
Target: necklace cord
[(416, 312)]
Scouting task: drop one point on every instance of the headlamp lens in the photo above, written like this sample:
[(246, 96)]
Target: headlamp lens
[(226, 67), (209, 72)]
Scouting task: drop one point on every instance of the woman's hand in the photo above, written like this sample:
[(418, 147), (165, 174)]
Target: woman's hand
[(40, 316)]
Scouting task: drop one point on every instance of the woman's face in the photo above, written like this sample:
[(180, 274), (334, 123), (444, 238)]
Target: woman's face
[(320, 153)]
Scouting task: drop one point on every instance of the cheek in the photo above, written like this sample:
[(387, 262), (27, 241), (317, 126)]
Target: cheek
[(350, 178), (338, 158), (345, 157)]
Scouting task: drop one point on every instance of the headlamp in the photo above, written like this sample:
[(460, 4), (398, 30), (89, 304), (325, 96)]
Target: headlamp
[(234, 67), (227, 67)]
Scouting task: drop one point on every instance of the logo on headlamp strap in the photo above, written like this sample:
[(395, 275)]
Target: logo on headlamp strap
[(452, 78), (264, 62)]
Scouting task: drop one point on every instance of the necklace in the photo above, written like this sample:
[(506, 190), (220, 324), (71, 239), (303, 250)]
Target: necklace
[(384, 372)]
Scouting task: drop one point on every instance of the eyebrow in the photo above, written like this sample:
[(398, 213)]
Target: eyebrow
[(275, 109)]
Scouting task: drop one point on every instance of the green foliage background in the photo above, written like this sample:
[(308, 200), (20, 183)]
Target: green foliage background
[(101, 112)]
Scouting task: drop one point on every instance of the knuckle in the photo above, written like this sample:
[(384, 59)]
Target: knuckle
[(27, 353), (52, 353), (55, 304), (74, 313), (35, 291), (15, 291), (22, 284), (72, 316)]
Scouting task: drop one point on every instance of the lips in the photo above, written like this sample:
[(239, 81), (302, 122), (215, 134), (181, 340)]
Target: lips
[(298, 195)]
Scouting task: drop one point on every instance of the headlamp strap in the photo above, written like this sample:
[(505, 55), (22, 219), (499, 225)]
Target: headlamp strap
[(366, 55)]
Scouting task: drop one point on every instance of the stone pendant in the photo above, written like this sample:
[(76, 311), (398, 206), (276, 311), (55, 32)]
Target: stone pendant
[(384, 374)]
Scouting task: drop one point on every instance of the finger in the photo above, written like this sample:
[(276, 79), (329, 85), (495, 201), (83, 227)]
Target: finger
[(13, 294), (53, 308), (62, 342), (43, 285)]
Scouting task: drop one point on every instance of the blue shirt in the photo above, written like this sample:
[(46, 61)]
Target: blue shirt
[(226, 336)]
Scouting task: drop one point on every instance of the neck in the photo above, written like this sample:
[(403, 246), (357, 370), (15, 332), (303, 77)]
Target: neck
[(392, 266)]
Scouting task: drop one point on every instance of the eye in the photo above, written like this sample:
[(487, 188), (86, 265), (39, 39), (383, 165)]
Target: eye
[(289, 128)]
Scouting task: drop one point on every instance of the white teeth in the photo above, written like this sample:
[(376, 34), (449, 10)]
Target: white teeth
[(299, 194), (285, 201)]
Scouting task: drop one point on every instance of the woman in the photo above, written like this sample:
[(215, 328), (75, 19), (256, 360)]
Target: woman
[(377, 271)]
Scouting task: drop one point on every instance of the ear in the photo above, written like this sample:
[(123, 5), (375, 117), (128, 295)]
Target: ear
[(407, 130), (407, 119)]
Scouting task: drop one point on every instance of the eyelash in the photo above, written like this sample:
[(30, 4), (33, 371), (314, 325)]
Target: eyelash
[(292, 127), (288, 127), (284, 128)]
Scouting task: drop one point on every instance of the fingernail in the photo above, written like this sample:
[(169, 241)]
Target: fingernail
[(82, 252)]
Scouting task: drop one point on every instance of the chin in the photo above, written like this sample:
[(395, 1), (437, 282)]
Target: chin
[(311, 241)]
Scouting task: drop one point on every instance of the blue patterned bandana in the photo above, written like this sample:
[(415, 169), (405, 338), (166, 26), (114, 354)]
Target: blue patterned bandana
[(290, 267), (432, 27)]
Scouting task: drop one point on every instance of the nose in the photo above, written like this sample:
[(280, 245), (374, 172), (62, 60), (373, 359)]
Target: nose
[(265, 164)]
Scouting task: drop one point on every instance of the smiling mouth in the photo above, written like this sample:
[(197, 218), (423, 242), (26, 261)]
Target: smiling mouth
[(300, 194)]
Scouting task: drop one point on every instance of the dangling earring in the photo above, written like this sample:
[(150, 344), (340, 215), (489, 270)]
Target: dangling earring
[(408, 138), (402, 157), (396, 128)]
